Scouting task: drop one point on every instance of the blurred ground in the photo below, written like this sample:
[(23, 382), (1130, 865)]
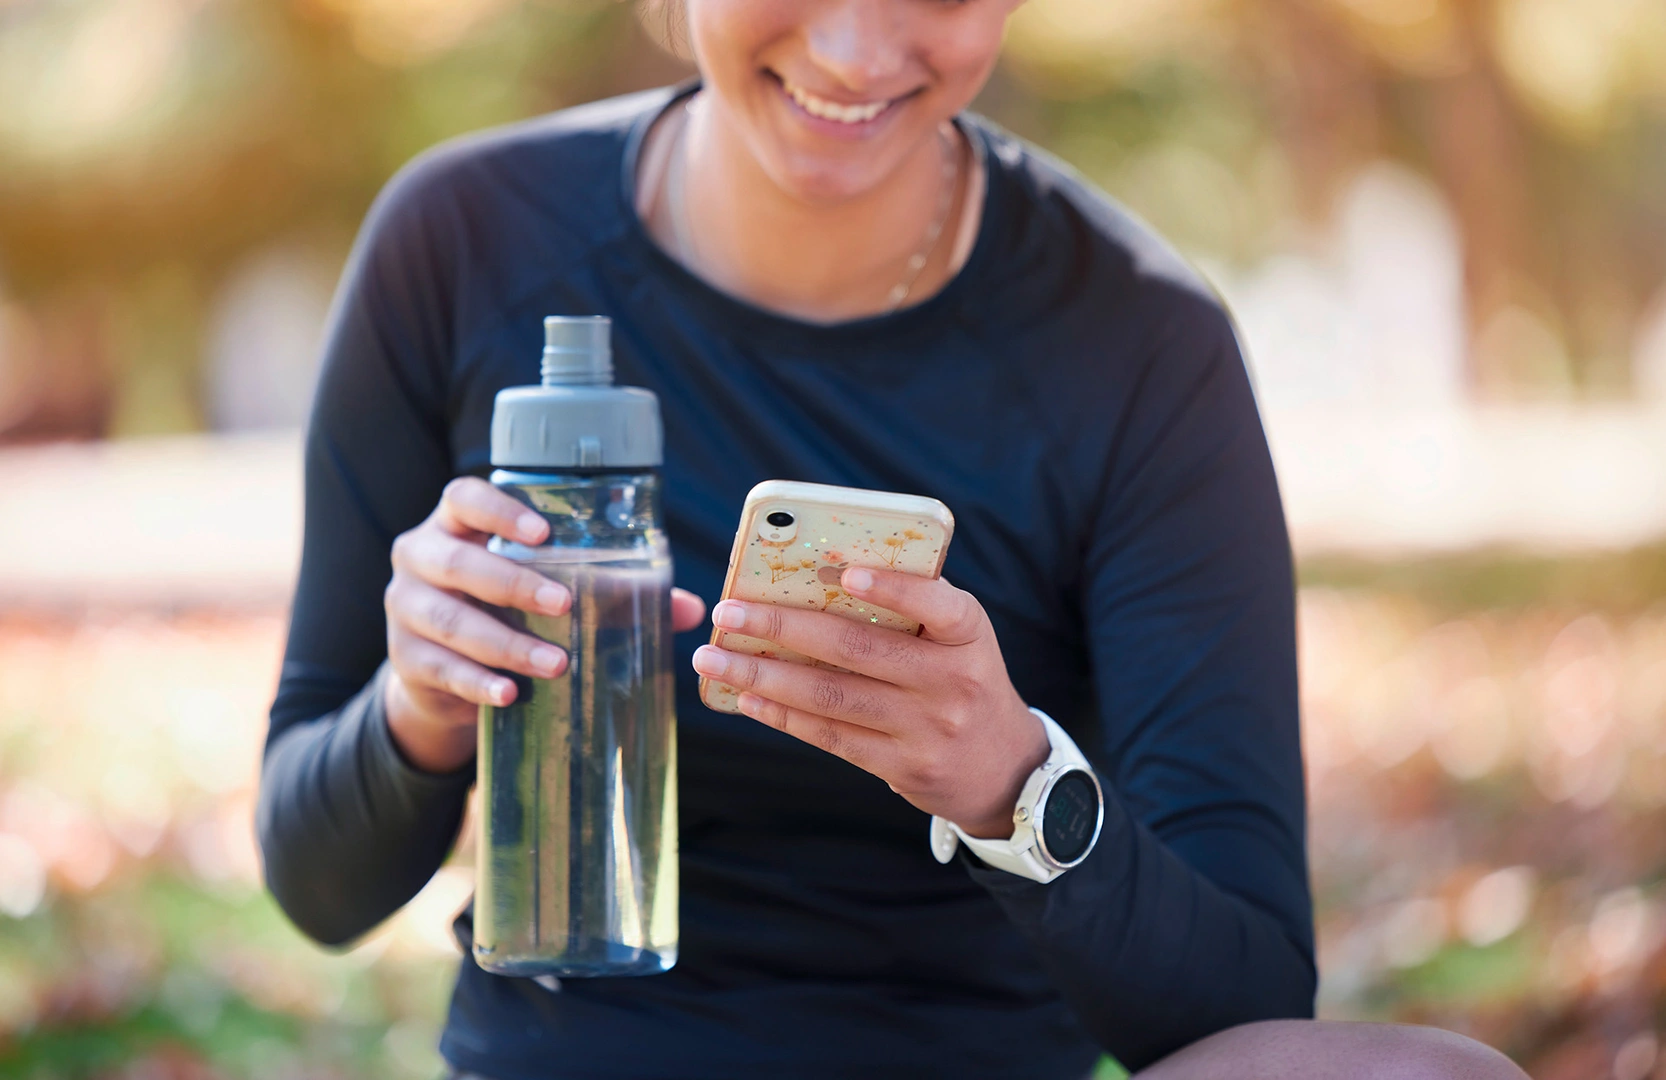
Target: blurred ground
[(1485, 736), (135, 939), (1488, 782), (1488, 775)]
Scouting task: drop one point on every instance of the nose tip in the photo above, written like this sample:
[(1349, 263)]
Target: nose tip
[(857, 41)]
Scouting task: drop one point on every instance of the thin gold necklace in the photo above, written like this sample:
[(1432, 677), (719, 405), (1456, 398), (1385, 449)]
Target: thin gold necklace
[(898, 294), (917, 262)]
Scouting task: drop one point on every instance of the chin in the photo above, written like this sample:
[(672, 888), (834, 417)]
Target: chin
[(822, 181), (829, 171)]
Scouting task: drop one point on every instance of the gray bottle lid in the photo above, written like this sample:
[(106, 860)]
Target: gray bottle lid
[(577, 418)]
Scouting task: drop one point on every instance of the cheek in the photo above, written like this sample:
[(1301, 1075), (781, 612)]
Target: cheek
[(727, 34), (962, 55)]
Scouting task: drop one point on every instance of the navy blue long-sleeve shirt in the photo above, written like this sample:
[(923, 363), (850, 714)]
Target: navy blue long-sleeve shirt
[(1075, 395)]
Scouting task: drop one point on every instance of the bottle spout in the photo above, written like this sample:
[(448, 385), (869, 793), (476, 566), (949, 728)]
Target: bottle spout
[(578, 350), (578, 418)]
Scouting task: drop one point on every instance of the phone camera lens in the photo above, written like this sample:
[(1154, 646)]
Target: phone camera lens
[(780, 519)]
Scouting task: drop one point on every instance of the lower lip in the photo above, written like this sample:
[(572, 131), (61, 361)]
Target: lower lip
[(832, 128)]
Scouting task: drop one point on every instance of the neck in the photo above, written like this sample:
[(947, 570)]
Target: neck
[(842, 259)]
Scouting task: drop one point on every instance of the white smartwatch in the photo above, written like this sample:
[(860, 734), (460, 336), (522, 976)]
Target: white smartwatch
[(1055, 824)]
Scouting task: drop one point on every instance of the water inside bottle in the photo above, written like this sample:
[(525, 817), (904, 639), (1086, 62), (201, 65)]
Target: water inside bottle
[(580, 821)]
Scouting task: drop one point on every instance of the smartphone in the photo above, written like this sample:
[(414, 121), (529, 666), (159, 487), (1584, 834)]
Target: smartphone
[(794, 542)]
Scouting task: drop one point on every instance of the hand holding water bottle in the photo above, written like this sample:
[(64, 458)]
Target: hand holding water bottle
[(442, 645)]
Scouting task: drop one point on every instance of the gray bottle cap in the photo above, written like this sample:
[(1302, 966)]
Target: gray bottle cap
[(577, 418)]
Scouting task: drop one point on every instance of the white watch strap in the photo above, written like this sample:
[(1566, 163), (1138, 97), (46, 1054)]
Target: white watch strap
[(1015, 854), (1006, 855)]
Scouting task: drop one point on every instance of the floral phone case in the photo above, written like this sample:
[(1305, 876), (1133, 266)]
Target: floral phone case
[(799, 564)]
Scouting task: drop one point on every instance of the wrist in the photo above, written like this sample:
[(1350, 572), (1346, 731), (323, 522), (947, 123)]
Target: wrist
[(1031, 754), (1055, 819), (428, 745)]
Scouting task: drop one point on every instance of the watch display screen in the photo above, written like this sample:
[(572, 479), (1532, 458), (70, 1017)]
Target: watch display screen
[(1069, 818)]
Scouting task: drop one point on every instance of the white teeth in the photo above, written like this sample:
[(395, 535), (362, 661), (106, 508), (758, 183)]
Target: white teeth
[(832, 110)]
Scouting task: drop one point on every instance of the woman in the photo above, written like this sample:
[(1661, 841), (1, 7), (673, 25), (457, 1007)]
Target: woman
[(828, 272)]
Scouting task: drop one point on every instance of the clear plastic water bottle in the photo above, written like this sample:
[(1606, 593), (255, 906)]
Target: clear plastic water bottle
[(577, 870)]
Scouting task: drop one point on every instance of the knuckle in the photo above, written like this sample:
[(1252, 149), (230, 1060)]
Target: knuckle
[(922, 775), (969, 685), (903, 652), (829, 737), (949, 723), (746, 673), (775, 714), (454, 562), (855, 643), (773, 624), (445, 616), (828, 695), (865, 706), (400, 553), (430, 671), (457, 490)]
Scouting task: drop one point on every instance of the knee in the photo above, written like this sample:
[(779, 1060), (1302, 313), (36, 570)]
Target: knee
[(1407, 1052), (1320, 1050), (1425, 1053)]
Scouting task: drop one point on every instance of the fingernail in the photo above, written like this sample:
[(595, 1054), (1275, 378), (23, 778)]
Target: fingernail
[(710, 661), (858, 580), (748, 703), (531, 527), (729, 615), (552, 598), (502, 691), (546, 659)]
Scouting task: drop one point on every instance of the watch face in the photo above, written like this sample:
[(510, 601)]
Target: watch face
[(1070, 817)]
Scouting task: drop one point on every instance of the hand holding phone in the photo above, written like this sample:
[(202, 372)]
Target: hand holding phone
[(854, 645), (794, 542)]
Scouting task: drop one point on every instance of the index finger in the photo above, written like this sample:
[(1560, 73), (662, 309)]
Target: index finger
[(473, 509), (878, 652)]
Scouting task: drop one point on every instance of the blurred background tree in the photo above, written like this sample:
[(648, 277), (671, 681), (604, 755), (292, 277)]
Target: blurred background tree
[(1542, 122), (180, 179)]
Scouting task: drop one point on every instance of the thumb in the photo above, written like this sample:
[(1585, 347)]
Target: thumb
[(948, 615)]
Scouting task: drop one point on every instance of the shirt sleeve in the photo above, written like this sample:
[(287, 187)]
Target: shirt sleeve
[(1192, 914), (348, 829)]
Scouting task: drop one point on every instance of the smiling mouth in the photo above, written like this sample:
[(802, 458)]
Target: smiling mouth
[(822, 108)]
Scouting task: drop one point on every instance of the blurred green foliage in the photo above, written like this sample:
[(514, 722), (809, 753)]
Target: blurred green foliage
[(149, 147), (155, 975), (1620, 582)]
